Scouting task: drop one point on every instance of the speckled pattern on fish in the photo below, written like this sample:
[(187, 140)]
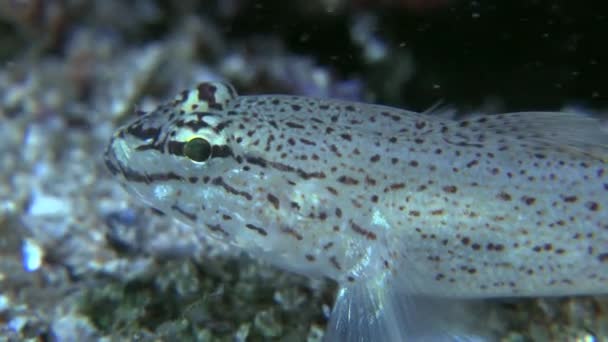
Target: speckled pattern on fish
[(399, 207)]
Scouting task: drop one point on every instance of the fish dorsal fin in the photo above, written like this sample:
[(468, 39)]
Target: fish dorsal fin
[(571, 132), (440, 110)]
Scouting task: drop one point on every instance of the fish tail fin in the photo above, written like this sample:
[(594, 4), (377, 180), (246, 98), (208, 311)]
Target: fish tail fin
[(376, 311)]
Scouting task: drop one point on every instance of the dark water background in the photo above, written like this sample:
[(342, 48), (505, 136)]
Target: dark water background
[(531, 54)]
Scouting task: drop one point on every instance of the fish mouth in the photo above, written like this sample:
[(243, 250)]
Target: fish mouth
[(117, 155), (109, 158), (116, 167)]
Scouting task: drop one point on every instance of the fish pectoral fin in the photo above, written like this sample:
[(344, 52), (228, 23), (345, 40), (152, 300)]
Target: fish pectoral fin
[(373, 311), (571, 132)]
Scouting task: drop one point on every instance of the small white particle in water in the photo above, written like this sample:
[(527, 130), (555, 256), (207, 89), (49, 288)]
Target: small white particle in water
[(475, 15), (32, 255)]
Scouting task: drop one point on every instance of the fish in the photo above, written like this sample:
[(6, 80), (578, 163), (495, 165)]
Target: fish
[(412, 214)]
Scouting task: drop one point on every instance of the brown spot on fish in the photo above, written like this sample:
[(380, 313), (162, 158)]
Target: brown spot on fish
[(206, 92), (369, 180), (347, 180), (450, 189), (217, 228), (504, 196), (307, 142), (346, 136), (593, 206), (188, 215), (257, 229), (338, 212), (292, 232), (273, 200), (334, 261), (360, 230), (294, 125), (220, 182), (528, 200), (472, 163), (397, 186)]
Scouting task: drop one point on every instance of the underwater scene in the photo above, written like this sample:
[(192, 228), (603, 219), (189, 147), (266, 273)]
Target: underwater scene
[(305, 170)]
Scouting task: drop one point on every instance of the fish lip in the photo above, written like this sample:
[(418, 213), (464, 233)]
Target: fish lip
[(112, 163)]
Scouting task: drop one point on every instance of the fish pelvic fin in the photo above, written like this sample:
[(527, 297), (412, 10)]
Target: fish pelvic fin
[(373, 310)]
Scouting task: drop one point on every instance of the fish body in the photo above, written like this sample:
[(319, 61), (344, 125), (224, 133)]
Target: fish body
[(400, 208)]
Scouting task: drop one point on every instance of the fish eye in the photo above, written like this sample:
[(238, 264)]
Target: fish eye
[(197, 149)]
